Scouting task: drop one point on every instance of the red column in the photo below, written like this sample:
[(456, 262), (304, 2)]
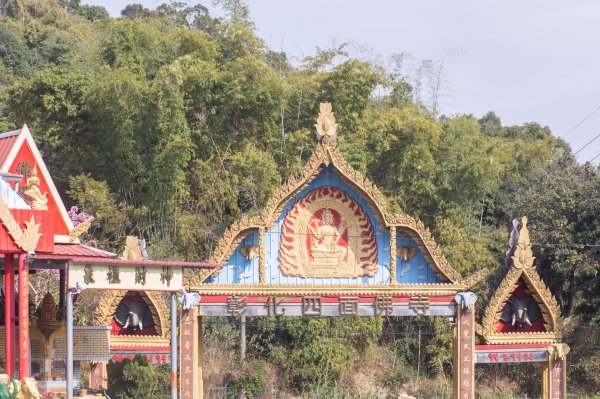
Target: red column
[(23, 318), (9, 312)]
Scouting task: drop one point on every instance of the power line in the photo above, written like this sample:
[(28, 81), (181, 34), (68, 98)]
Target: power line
[(416, 239), (592, 160), (577, 125), (588, 143)]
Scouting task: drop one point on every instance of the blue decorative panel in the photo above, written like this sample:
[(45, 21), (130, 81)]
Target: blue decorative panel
[(240, 270), (415, 270)]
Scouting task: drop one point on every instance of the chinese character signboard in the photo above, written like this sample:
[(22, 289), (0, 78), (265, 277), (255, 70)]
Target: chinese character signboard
[(121, 275)]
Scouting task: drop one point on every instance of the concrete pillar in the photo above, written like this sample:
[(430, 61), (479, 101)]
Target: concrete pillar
[(554, 373), (242, 338), (190, 368)]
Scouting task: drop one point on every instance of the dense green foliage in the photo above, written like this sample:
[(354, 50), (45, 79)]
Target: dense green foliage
[(170, 124), (134, 379)]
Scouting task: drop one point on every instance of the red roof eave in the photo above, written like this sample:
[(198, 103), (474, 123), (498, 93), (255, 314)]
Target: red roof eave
[(85, 254), (70, 251)]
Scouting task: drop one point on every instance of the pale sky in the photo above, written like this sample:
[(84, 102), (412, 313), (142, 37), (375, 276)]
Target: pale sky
[(528, 61)]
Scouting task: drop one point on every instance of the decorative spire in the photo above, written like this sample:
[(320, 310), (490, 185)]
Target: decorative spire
[(512, 241), (133, 249), (523, 256), (326, 126)]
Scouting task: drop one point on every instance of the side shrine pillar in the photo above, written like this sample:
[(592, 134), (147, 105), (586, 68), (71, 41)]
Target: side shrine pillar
[(191, 354), (554, 373), (464, 346), (9, 313)]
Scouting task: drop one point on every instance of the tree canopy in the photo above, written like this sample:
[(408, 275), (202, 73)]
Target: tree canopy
[(171, 123)]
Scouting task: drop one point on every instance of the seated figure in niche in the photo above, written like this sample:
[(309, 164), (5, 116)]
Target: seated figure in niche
[(326, 238)]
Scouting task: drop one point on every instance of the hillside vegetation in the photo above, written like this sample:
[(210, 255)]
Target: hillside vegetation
[(171, 123)]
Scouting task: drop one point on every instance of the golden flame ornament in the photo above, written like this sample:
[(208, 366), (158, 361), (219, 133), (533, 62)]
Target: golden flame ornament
[(326, 125), (523, 257)]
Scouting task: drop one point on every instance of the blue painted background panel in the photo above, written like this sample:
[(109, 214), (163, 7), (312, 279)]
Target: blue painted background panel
[(416, 270), (239, 270)]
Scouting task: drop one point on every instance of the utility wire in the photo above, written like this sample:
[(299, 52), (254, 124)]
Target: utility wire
[(588, 143), (577, 125), (592, 160), (538, 244)]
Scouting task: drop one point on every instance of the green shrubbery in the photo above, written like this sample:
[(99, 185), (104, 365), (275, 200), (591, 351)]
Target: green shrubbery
[(137, 378)]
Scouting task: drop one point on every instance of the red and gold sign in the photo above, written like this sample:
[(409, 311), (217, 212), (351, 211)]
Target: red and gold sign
[(327, 234)]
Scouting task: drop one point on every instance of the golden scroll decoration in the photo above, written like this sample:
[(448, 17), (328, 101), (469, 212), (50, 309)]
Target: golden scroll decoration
[(26, 239)]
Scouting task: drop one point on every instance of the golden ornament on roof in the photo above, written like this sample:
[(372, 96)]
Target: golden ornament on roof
[(523, 257), (33, 194), (326, 125)]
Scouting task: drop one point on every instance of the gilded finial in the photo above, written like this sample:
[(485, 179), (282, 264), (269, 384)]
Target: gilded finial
[(523, 256), (132, 249), (326, 125)]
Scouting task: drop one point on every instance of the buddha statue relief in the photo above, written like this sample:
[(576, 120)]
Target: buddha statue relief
[(327, 234), (328, 241)]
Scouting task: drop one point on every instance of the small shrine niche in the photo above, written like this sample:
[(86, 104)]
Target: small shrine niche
[(522, 309), (48, 321), (48, 309), (521, 312), (133, 316)]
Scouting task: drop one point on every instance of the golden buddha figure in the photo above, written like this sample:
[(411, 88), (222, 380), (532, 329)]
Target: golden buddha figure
[(327, 242)]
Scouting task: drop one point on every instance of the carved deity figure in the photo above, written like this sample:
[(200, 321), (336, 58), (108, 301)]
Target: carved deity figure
[(326, 239), (327, 234), (33, 194)]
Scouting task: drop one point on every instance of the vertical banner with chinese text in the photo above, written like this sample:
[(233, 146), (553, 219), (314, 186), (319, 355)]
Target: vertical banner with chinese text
[(558, 378), (190, 356), (464, 354)]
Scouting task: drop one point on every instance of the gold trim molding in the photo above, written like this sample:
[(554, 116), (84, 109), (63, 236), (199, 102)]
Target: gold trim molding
[(146, 341), (326, 153), (332, 290), (522, 267)]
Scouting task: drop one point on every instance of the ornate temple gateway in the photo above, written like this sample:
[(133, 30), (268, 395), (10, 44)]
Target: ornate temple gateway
[(324, 245), (327, 245)]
